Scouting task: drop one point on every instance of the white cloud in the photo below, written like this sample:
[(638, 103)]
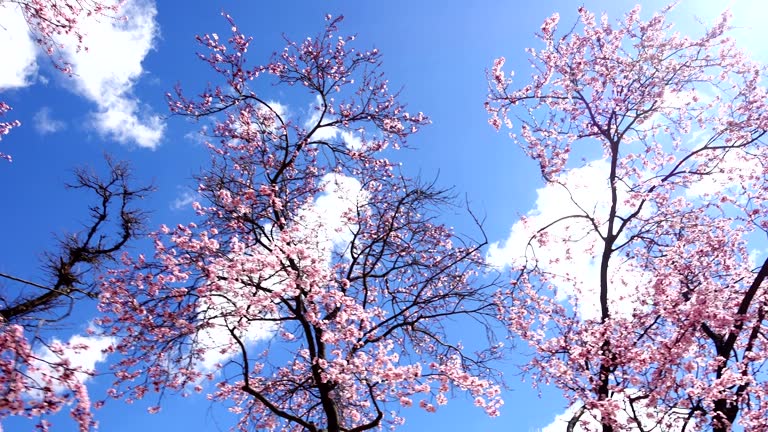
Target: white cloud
[(324, 226), (45, 124), (199, 137), (119, 119), (104, 73), (678, 100), (216, 341), (17, 50), (264, 119), (327, 222), (82, 353), (569, 252), (728, 174), (107, 71), (560, 422), (748, 21), (650, 419), (280, 109), (184, 200), (352, 140)]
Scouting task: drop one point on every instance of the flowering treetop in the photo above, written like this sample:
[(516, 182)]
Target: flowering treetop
[(677, 337), (316, 287)]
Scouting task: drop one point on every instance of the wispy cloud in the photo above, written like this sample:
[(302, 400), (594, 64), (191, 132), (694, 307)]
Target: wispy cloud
[(45, 124), (184, 200), (198, 137)]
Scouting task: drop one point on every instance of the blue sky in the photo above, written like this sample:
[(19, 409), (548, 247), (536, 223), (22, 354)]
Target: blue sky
[(436, 51)]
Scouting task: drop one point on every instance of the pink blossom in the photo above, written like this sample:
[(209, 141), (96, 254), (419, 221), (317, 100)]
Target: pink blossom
[(679, 303)]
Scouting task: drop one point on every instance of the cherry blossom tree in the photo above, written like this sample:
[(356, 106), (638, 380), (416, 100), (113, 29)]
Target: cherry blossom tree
[(317, 290), (39, 377), (665, 329), (53, 23)]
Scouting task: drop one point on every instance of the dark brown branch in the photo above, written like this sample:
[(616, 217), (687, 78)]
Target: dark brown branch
[(84, 252)]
